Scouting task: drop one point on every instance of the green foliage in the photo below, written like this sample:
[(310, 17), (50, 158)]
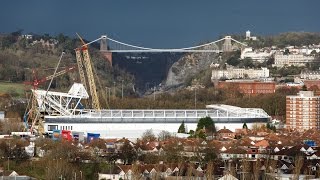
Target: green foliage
[(207, 124), (233, 58), (271, 127), (244, 126), (233, 61), (286, 70), (210, 154), (182, 128), (201, 134), (127, 153), (304, 88), (246, 63), (285, 39), (13, 89)]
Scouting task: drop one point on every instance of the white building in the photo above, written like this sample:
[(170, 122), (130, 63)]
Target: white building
[(255, 55), (281, 60), (28, 36), (249, 37), (237, 73), (310, 75)]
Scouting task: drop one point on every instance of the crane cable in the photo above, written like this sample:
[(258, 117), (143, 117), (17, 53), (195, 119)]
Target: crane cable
[(45, 96)]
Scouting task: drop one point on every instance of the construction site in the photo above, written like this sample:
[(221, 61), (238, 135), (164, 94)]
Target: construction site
[(79, 110)]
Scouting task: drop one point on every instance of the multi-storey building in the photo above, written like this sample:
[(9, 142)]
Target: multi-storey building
[(281, 60), (302, 111), (237, 73), (255, 55), (310, 75), (249, 87)]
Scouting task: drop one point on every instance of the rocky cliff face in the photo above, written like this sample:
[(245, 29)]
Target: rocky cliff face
[(187, 67)]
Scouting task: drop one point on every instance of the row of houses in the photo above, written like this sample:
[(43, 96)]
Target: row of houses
[(293, 56), (287, 151)]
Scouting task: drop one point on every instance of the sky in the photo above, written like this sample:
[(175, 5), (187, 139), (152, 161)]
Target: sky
[(161, 23)]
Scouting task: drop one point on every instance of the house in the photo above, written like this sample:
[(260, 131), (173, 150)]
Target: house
[(110, 145), (228, 177), (5, 174), (225, 134), (281, 176), (233, 153), (114, 173)]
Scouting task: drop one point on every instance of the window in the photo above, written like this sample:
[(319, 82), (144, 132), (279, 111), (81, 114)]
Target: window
[(52, 127)]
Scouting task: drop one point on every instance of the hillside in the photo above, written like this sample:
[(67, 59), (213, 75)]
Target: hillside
[(23, 59), (137, 72)]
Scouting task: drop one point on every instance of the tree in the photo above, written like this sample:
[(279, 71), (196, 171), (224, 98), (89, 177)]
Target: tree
[(209, 154), (286, 52), (11, 125), (304, 88), (57, 168), (244, 126), (164, 135), (271, 127), (127, 153), (207, 124), (234, 61), (148, 135), (247, 62), (182, 128), (173, 152)]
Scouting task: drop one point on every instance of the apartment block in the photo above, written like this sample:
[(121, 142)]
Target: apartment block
[(303, 111), (238, 73), (281, 60)]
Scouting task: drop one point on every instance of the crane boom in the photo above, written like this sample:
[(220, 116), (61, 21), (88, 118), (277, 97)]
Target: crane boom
[(87, 63), (60, 73), (36, 82), (80, 68), (91, 82)]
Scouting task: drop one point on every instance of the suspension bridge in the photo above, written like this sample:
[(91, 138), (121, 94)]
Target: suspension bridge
[(226, 44)]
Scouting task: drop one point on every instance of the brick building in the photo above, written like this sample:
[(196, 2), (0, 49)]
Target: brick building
[(302, 111), (250, 87)]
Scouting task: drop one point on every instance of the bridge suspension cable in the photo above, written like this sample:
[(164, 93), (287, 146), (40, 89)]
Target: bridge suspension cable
[(118, 46)]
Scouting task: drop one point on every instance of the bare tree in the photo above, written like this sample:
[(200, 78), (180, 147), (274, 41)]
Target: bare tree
[(210, 170), (298, 162), (157, 174), (189, 171), (11, 125), (59, 168), (246, 169), (136, 174), (148, 135), (164, 135), (256, 169)]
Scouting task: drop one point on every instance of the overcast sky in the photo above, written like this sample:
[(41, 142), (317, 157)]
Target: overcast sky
[(161, 23)]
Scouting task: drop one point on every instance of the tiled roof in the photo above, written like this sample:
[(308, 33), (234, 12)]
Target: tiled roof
[(224, 131), (235, 150)]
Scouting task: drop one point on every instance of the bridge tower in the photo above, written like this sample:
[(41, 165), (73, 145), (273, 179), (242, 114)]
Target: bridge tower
[(104, 50), (227, 46)]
